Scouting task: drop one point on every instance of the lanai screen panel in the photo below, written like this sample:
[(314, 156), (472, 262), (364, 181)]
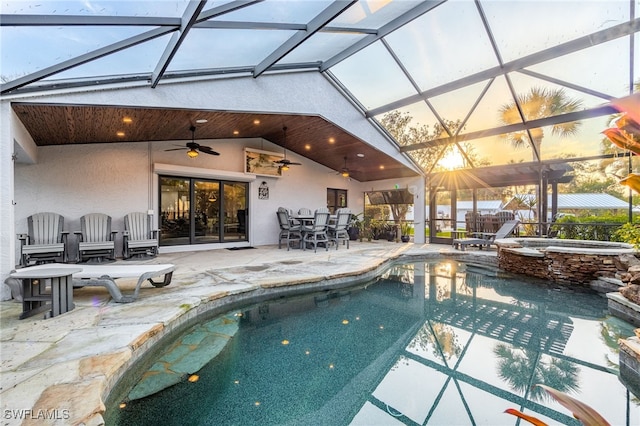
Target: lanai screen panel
[(467, 70), (509, 63)]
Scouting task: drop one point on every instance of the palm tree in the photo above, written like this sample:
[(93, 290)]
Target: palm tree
[(539, 103), (522, 368)]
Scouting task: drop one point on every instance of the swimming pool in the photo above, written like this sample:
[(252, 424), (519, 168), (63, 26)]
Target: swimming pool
[(426, 343)]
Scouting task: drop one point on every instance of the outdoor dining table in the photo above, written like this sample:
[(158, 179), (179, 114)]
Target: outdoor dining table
[(307, 219)]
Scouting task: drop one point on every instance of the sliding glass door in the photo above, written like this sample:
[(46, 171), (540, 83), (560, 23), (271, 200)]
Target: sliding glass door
[(235, 211), (207, 211), (198, 211)]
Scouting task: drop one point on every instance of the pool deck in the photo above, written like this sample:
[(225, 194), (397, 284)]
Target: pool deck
[(60, 370)]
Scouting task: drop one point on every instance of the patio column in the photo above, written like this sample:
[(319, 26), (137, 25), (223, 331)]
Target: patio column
[(7, 209), (419, 212)]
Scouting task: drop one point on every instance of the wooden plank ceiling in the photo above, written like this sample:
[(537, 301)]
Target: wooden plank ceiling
[(310, 136)]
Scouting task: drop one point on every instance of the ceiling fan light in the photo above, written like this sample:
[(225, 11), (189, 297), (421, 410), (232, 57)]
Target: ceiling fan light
[(192, 153), (345, 170), (284, 168)]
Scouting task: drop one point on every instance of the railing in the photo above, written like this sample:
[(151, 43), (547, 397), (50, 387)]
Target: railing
[(590, 231), (595, 231)]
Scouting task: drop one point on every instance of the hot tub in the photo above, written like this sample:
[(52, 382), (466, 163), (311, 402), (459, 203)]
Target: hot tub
[(575, 262)]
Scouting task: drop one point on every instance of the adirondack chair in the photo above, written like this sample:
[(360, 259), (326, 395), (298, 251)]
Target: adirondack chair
[(96, 240), (45, 241), (139, 239)]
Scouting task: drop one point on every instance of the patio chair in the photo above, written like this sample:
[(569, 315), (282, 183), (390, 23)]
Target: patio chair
[(316, 232), (138, 238), (45, 241), (304, 212), (503, 217), (485, 239), (473, 222), (96, 240), (289, 231), (339, 230)]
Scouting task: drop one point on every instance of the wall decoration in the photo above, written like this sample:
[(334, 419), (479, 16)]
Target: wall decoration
[(260, 162), (263, 191)]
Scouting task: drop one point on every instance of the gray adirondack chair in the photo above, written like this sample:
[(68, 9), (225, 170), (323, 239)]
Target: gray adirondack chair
[(96, 240), (45, 241), (139, 239)]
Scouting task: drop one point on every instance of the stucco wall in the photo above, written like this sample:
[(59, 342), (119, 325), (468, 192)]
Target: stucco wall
[(117, 179)]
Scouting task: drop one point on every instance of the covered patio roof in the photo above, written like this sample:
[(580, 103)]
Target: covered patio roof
[(69, 124), (495, 177)]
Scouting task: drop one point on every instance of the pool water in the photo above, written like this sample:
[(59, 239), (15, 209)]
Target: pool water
[(440, 343)]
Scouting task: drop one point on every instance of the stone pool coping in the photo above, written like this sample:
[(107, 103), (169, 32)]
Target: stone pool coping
[(63, 369), (534, 245)]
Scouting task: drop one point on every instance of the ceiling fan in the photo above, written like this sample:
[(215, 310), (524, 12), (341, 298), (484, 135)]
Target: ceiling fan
[(284, 163), (345, 170), (194, 148)]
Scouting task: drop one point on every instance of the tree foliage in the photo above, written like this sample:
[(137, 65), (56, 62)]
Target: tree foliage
[(538, 103), (399, 125)]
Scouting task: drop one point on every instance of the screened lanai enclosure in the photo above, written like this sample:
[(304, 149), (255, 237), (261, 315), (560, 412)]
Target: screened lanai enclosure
[(514, 93)]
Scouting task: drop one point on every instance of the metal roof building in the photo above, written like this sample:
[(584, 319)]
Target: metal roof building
[(576, 202)]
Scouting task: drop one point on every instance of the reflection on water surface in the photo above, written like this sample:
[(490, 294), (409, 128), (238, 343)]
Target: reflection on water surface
[(426, 343)]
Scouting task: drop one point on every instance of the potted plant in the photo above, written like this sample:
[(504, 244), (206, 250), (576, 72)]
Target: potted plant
[(406, 229), (356, 227)]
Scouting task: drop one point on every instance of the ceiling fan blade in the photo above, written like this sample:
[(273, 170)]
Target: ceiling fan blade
[(287, 162), (208, 150), (175, 149)]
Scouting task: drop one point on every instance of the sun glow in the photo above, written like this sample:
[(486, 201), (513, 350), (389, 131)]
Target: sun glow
[(452, 160)]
